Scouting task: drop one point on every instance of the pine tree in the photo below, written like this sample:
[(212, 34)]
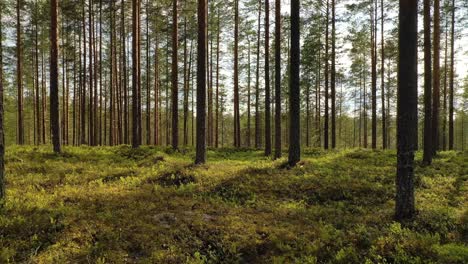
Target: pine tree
[(294, 89), (200, 157), (54, 97)]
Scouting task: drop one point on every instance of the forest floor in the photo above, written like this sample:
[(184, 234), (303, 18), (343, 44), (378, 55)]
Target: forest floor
[(117, 205)]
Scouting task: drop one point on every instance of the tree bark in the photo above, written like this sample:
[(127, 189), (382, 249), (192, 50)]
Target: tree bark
[(257, 83), (267, 81), (452, 77), (428, 148), (54, 97), (294, 89), (333, 80), (325, 127), (135, 72), (436, 79), (200, 157), (2, 133), (175, 92), (406, 108), (237, 142), (19, 76), (278, 79)]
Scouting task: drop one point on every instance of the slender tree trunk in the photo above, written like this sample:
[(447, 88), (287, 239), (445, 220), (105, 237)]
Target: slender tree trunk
[(333, 80), (249, 95), (428, 148), (257, 83), (175, 81), (382, 75), (444, 111), (267, 81), (2, 133), (135, 71), (325, 128), (436, 79), (407, 108), (278, 79), (185, 85), (452, 77), (294, 89), (200, 157), (374, 73), (156, 92), (83, 88), (19, 75), (237, 142), (36, 60), (148, 78), (217, 83), (54, 97)]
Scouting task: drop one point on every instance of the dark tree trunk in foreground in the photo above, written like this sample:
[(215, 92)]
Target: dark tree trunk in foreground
[(267, 81), (436, 79), (406, 108), (19, 76), (200, 157), (294, 92), (427, 158), (175, 79), (452, 76), (54, 97), (135, 72), (278, 80), (2, 134)]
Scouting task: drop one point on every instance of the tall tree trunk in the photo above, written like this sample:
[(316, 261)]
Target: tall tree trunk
[(185, 85), (294, 89), (135, 71), (36, 60), (175, 92), (267, 81), (452, 77), (124, 75), (83, 88), (382, 75), (156, 129), (436, 79), (2, 133), (148, 78), (19, 76), (407, 108), (278, 79), (54, 97), (237, 142), (444, 111), (333, 80), (428, 148), (325, 127), (217, 82), (374, 73), (257, 83), (200, 157)]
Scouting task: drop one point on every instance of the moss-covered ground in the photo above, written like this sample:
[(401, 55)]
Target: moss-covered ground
[(117, 205)]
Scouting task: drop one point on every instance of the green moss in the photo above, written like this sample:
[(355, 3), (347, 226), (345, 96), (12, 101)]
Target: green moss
[(151, 205)]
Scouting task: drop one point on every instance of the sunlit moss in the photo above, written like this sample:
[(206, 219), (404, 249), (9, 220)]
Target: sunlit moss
[(152, 205)]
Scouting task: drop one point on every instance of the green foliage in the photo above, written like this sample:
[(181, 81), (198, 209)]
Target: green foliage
[(151, 205)]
